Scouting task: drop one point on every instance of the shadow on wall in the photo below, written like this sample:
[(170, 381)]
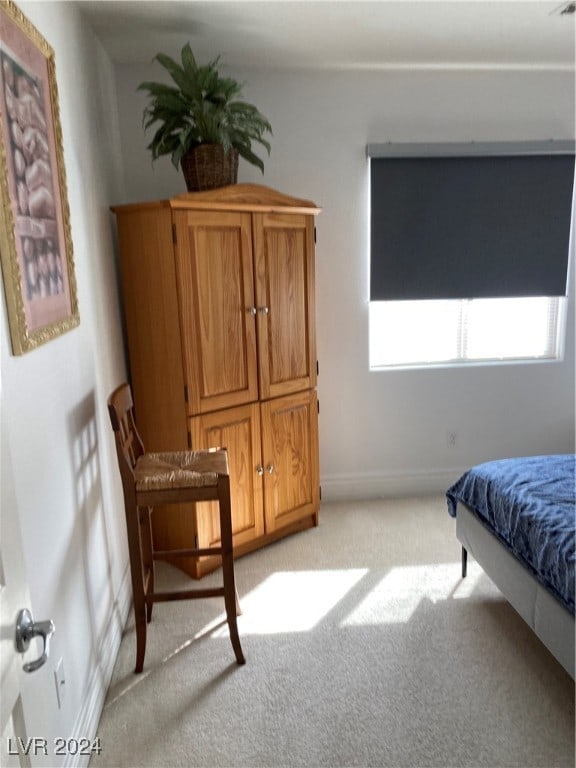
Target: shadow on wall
[(88, 555)]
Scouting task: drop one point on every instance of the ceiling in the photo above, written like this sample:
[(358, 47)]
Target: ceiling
[(341, 34)]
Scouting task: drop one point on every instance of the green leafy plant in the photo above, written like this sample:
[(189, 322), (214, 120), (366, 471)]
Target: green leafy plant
[(203, 108)]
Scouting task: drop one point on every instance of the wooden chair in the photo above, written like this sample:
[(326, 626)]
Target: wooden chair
[(150, 479)]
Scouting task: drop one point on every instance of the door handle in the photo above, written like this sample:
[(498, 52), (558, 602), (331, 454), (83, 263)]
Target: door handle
[(26, 629)]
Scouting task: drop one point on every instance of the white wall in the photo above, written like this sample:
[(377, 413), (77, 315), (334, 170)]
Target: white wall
[(385, 432), (68, 495)]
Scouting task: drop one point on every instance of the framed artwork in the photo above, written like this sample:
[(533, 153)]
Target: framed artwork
[(35, 238)]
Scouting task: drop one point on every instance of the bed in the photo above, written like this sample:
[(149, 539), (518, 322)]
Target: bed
[(516, 517)]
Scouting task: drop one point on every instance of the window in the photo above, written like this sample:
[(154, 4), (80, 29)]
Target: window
[(463, 331), (469, 249)]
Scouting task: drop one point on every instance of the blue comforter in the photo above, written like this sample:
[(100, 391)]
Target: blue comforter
[(529, 503)]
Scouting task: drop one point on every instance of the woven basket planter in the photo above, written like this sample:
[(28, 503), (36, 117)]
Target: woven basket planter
[(209, 167)]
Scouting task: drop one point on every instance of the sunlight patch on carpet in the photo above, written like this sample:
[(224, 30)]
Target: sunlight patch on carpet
[(293, 601), (396, 598)]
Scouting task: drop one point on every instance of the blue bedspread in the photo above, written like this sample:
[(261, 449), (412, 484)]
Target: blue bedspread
[(529, 503)]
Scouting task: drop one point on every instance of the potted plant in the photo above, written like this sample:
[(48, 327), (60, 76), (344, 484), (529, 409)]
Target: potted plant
[(203, 124)]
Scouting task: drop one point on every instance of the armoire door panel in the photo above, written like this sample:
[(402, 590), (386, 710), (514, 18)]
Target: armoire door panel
[(284, 267), (237, 430), (290, 459), (216, 296)]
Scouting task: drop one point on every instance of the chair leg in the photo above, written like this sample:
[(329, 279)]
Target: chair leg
[(230, 604), (148, 556), (137, 574), (230, 595), (464, 562), (140, 619), (139, 611)]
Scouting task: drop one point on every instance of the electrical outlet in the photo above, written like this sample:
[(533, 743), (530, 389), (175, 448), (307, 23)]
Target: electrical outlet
[(60, 680), (451, 439)]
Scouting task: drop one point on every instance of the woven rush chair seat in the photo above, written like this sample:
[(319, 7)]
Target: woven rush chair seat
[(152, 480), (180, 469)]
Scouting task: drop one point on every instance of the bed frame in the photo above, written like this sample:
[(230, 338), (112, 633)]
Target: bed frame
[(551, 621)]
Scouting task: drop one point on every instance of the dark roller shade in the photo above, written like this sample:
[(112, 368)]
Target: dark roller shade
[(470, 227)]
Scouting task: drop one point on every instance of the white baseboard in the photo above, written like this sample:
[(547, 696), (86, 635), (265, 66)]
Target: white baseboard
[(89, 715), (376, 485)]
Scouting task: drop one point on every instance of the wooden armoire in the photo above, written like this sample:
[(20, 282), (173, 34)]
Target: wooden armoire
[(218, 297)]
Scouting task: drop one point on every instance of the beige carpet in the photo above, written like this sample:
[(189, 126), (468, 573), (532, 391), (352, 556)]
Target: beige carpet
[(364, 647)]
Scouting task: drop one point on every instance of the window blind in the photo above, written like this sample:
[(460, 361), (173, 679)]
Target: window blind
[(481, 226)]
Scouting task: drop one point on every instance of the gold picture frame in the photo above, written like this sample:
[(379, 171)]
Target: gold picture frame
[(35, 237)]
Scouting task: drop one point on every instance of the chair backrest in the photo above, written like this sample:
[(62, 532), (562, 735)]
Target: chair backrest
[(129, 445)]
